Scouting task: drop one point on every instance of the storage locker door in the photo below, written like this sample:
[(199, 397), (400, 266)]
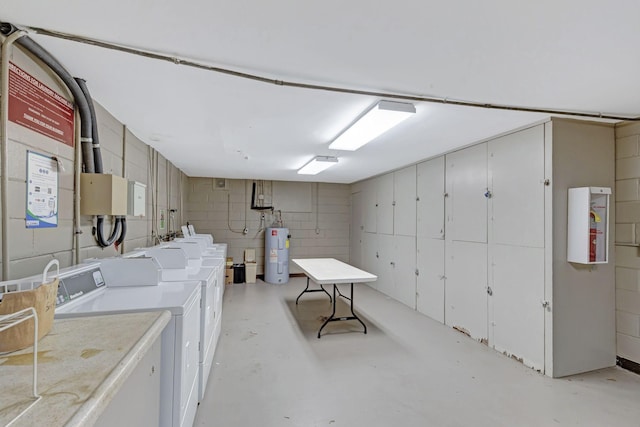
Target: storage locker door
[(517, 295), (385, 268), (370, 202), (430, 281), (466, 288), (357, 229), (430, 194), (466, 181), (516, 245), (384, 186), (404, 210), (516, 174), (370, 260), (404, 270)]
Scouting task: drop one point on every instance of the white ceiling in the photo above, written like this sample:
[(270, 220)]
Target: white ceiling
[(578, 55)]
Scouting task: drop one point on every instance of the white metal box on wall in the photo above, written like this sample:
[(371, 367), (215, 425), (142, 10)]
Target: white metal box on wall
[(137, 199), (588, 225)]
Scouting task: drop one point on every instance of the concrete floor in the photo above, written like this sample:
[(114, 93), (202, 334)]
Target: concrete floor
[(271, 370)]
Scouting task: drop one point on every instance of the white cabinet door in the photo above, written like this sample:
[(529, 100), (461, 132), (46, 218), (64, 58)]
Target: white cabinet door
[(516, 312), (356, 230), (516, 175), (404, 270), (385, 252), (516, 245), (430, 281), (466, 204), (466, 288), (430, 193), (404, 212), (370, 260), (370, 205), (384, 187)]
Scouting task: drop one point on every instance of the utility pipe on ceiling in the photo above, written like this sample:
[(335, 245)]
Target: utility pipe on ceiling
[(4, 118), (385, 95)]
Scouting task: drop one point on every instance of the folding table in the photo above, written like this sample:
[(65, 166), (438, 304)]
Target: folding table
[(327, 271)]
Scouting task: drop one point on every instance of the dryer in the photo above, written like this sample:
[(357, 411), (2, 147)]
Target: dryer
[(107, 288)]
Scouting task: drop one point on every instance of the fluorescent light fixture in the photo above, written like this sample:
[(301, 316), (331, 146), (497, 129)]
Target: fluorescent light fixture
[(379, 119), (317, 165)]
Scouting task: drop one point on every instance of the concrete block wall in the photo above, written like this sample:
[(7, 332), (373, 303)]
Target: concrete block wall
[(323, 232), (627, 241), (123, 155)]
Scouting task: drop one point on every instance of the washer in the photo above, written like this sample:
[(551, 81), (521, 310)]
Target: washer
[(174, 265), (132, 285)]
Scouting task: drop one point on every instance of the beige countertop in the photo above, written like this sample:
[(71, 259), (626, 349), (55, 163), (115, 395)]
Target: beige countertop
[(82, 363)]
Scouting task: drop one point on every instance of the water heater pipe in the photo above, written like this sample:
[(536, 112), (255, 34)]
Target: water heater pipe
[(4, 118)]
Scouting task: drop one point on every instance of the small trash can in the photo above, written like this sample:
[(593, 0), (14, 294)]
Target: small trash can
[(238, 273)]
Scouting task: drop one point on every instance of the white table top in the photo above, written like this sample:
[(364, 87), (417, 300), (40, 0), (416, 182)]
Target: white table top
[(326, 271)]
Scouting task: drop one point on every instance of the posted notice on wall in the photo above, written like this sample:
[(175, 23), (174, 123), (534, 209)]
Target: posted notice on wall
[(42, 191), (36, 106)]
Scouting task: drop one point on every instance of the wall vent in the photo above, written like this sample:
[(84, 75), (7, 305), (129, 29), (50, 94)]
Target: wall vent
[(220, 184)]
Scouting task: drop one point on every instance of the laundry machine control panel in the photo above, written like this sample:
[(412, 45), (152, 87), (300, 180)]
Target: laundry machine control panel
[(77, 283)]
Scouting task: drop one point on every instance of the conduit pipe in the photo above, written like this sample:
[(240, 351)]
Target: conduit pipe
[(77, 229), (39, 52), (405, 97), (4, 118), (117, 232), (91, 155)]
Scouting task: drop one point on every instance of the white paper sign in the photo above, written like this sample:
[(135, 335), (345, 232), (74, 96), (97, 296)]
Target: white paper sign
[(42, 191)]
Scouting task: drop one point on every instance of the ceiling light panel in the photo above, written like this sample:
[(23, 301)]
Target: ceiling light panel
[(379, 119), (317, 165)]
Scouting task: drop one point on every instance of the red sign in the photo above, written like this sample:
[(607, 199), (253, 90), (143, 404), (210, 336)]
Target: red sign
[(36, 106), (274, 232)]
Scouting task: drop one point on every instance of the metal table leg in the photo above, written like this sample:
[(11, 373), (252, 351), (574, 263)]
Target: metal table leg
[(332, 318), (322, 289)]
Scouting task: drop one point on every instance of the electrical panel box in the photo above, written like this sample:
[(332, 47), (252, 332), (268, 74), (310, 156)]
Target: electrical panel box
[(102, 194), (137, 199), (588, 225)]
